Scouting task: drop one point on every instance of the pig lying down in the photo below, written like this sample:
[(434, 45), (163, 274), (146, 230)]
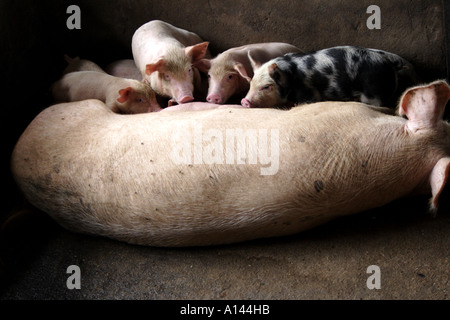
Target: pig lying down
[(198, 106), (336, 74), (166, 57), (230, 72), (227, 175), (77, 64), (125, 68), (121, 95)]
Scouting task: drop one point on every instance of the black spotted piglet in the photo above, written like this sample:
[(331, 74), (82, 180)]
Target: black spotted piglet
[(344, 73)]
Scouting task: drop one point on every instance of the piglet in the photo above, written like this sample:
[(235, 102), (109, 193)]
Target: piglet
[(344, 73), (125, 68), (229, 73), (166, 57), (119, 94), (77, 64)]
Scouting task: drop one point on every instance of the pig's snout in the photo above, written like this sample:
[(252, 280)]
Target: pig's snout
[(214, 98), (246, 103), (185, 99)]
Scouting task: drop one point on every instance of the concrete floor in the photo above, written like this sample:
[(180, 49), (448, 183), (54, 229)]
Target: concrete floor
[(410, 247)]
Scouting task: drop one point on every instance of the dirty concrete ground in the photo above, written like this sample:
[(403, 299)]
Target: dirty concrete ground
[(410, 246)]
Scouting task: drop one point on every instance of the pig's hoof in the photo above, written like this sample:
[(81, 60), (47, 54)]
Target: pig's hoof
[(172, 102)]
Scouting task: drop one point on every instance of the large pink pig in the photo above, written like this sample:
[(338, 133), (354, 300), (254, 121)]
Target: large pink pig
[(198, 106), (121, 95), (166, 56), (230, 72), (226, 175)]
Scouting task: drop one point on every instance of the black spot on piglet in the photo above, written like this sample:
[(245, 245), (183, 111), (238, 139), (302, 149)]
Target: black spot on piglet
[(311, 62)]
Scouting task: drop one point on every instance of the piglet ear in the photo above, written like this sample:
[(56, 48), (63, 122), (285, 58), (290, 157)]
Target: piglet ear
[(124, 94), (197, 51), (277, 75), (255, 64), (438, 179), (424, 105), (203, 65), (239, 67), (152, 67)]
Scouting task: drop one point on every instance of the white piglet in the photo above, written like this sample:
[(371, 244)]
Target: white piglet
[(121, 95), (166, 56), (125, 68), (229, 73), (77, 64)]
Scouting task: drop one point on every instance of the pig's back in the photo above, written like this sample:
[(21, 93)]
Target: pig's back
[(125, 68), (160, 31), (261, 52), (81, 85)]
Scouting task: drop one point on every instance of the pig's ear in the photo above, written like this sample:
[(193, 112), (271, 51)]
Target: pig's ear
[(239, 67), (203, 65), (197, 51), (438, 179), (124, 94), (424, 105), (255, 64), (277, 75), (152, 67)]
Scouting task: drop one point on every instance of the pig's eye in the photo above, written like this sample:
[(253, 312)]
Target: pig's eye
[(167, 77), (265, 87), (209, 76), (190, 71), (230, 77)]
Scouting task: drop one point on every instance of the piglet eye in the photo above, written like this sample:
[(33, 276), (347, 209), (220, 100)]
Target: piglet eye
[(209, 76), (230, 77), (265, 88), (166, 77)]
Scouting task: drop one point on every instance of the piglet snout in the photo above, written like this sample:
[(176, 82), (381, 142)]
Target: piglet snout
[(185, 99), (246, 103), (214, 98)]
